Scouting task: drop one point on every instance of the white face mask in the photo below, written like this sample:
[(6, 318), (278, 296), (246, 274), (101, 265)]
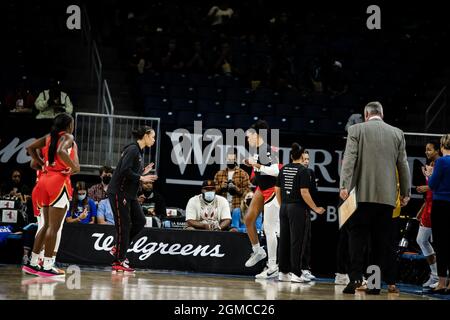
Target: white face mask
[(209, 196), (81, 197)]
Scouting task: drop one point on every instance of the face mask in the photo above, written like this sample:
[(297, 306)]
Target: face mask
[(148, 194), (209, 196), (248, 201), (81, 197), (231, 165), (106, 179)]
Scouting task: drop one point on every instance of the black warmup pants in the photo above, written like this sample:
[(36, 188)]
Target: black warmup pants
[(129, 220), (440, 223), (306, 260), (343, 254), (292, 237), (371, 225)]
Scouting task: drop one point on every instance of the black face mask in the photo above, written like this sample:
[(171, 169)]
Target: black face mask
[(106, 179), (148, 194), (248, 201), (231, 165)]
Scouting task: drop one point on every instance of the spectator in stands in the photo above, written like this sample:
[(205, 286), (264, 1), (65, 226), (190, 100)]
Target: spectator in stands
[(238, 215), (197, 61), (98, 191), (140, 61), (220, 14), (224, 61), (316, 76), (439, 183), (16, 187), (232, 182), (21, 100), (152, 202), (104, 212), (83, 209), (336, 81), (208, 211), (53, 101), (172, 59)]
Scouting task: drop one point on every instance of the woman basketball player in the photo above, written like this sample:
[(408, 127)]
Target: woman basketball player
[(122, 193), (59, 162), (266, 170), (37, 210)]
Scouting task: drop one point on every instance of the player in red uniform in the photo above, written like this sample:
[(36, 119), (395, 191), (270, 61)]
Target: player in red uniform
[(60, 160), (266, 170)]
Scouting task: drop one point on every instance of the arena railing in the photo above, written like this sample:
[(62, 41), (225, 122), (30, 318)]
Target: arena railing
[(102, 137), (104, 101)]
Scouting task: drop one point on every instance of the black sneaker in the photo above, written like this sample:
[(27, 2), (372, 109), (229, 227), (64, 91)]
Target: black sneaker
[(373, 291), (53, 272), (32, 270), (351, 287)]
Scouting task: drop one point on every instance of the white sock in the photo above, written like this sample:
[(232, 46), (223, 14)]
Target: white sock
[(34, 259), (272, 263), (48, 263), (54, 258), (41, 255), (256, 247), (433, 268)]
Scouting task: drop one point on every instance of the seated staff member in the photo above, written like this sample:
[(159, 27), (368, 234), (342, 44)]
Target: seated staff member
[(208, 211), (292, 191)]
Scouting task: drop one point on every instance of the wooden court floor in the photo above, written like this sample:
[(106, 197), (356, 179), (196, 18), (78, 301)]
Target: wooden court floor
[(101, 284)]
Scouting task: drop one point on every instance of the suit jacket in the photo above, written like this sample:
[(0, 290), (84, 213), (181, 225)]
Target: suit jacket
[(373, 152)]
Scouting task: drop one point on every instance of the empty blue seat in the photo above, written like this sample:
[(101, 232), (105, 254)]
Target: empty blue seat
[(288, 110), (278, 122), (218, 120), (182, 92), (154, 103), (299, 124), (293, 98), (244, 121), (314, 112), (175, 78), (223, 81), (183, 104), (210, 93), (209, 106), (266, 95), (168, 118), (151, 89), (150, 77), (185, 119), (262, 109), (238, 94), (234, 107), (201, 80)]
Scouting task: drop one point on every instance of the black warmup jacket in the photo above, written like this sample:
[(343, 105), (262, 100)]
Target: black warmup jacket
[(125, 179)]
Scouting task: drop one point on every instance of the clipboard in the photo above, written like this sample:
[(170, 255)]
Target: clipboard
[(347, 208)]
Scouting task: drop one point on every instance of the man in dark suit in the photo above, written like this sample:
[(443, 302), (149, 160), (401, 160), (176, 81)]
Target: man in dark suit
[(374, 151)]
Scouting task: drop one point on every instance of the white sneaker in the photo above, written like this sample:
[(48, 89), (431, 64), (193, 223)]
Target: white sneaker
[(307, 274), (256, 257), (342, 279), (434, 285), (268, 273), (284, 277), (301, 279), (432, 281)]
